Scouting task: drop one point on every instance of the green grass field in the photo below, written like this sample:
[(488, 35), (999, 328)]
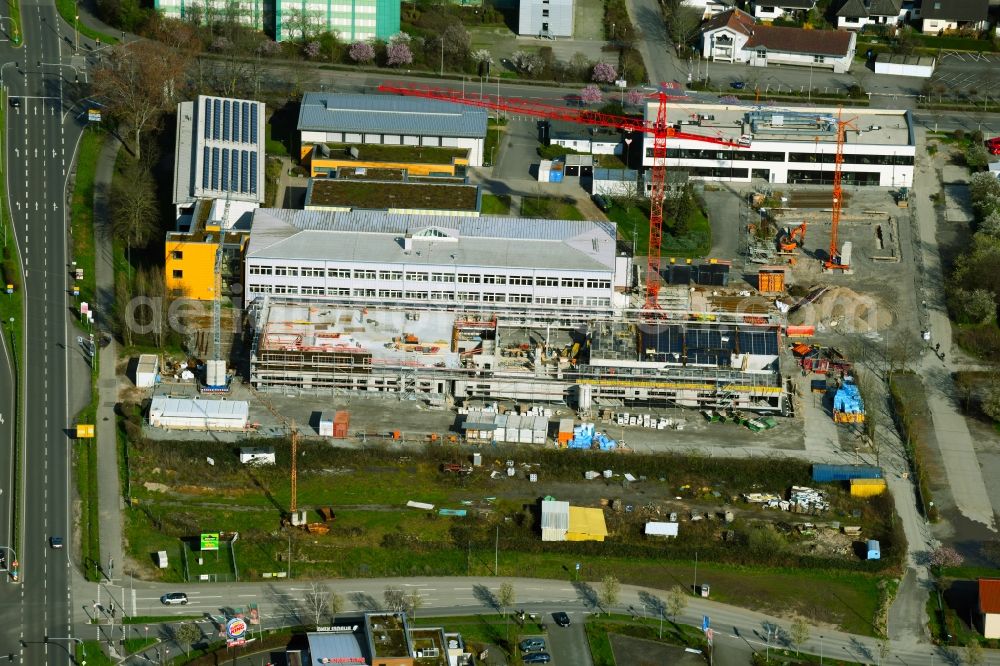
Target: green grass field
[(374, 534), (633, 222), (549, 208), (82, 211), (494, 204)]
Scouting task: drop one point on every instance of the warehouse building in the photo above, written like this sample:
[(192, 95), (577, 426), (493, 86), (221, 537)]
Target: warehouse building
[(219, 157), (424, 261), (198, 414), (789, 145), (424, 136)]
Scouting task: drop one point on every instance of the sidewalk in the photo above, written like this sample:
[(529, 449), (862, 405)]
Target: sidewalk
[(109, 493)]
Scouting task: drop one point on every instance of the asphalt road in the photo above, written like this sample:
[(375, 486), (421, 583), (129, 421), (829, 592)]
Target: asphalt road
[(736, 631), (42, 134)]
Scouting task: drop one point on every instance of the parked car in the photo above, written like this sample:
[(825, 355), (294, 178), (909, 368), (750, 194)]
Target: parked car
[(993, 145), (532, 645), (56, 541), (561, 619), (15, 102), (738, 85), (536, 658), (601, 202), (173, 598), (574, 100)]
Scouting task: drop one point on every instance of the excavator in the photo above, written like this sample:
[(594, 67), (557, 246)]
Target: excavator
[(791, 239)]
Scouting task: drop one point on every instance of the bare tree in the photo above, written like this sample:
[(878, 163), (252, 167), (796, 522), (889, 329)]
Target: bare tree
[(139, 81), (677, 601), (334, 606), (187, 635), (395, 599), (799, 633), (610, 590), (318, 600), (414, 602), (506, 596), (133, 208), (974, 653)]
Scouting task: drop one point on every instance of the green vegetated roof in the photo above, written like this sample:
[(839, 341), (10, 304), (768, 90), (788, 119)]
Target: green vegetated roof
[(389, 194)]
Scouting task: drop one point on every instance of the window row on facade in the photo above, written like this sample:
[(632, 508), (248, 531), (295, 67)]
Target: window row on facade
[(767, 156), (451, 296), (443, 278)]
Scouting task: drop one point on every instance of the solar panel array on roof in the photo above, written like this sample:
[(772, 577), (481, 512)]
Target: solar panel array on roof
[(232, 167), (705, 345), (706, 274)]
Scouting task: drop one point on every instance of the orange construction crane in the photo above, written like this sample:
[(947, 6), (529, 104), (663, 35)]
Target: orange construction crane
[(293, 502), (834, 261), (659, 128)]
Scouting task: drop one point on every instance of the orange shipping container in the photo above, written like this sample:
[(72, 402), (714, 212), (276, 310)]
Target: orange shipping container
[(341, 423)]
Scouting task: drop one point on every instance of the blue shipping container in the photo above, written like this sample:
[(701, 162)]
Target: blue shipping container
[(556, 176), (829, 473), (874, 550)]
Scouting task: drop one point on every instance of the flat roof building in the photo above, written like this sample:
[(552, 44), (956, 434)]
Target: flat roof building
[(198, 414), (789, 144), (425, 261), (389, 120), (219, 154)]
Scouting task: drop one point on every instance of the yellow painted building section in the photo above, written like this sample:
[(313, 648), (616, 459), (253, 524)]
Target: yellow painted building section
[(190, 266), (318, 166), (586, 524), (867, 487)]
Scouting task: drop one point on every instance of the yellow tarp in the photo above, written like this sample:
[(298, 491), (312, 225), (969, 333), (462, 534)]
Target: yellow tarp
[(586, 524)]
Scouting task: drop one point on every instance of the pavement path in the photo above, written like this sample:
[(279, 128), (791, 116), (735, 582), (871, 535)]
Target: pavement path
[(965, 478), (109, 488)]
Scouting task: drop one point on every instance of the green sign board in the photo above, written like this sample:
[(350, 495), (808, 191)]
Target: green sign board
[(210, 541)]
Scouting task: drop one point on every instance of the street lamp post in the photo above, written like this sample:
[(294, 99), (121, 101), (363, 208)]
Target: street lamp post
[(76, 33)]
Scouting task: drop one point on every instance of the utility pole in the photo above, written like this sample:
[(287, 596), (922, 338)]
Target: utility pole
[(496, 554), (442, 57), (695, 588)]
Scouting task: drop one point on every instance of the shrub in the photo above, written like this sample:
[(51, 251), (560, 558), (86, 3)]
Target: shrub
[(604, 73), (362, 52)]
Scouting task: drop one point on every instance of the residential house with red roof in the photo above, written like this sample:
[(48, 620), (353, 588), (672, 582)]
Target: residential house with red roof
[(989, 606), (736, 36)]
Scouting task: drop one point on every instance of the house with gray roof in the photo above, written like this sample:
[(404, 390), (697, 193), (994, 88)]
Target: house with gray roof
[(856, 14), (939, 16), (391, 120), (769, 10)]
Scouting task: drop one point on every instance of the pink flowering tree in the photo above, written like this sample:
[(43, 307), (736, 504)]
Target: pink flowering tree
[(361, 52), (591, 95), (311, 50), (398, 53), (635, 97), (945, 556), (604, 73)]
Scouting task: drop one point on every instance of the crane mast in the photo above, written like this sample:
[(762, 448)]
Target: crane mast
[(834, 259), (660, 129)]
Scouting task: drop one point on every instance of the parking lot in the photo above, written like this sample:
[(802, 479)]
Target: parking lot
[(969, 74)]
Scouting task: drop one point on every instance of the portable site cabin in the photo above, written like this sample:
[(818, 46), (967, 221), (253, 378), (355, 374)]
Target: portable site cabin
[(147, 370), (658, 529), (874, 550), (252, 455)]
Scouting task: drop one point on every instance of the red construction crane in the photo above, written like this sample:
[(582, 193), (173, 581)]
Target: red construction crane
[(833, 261), (659, 128)]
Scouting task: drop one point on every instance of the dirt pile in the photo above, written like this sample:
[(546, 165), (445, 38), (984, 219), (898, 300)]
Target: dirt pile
[(845, 310)]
